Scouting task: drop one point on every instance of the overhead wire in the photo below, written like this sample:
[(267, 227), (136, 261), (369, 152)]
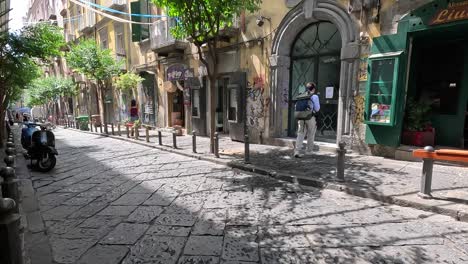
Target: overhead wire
[(121, 12), (115, 18)]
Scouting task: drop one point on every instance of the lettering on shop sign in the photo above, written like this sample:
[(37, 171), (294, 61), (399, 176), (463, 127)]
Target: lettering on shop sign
[(454, 12), (178, 72)]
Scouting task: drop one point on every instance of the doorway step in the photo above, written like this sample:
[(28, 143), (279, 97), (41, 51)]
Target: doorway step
[(291, 142)]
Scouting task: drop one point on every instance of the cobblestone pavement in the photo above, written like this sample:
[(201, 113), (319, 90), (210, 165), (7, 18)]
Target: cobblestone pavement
[(376, 176), (110, 202)]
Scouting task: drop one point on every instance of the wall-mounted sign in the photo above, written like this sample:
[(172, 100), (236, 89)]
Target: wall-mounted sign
[(178, 72), (455, 11)]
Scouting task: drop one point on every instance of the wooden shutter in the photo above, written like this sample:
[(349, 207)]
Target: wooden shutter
[(135, 8)]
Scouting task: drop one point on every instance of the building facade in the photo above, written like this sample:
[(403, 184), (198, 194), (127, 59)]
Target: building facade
[(347, 47)]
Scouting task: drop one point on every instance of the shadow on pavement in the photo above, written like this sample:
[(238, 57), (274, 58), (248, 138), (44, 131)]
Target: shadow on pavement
[(109, 201)]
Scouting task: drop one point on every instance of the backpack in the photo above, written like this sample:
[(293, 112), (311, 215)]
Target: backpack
[(302, 109)]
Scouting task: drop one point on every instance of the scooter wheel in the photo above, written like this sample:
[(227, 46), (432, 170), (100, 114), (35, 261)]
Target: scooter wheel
[(45, 165)]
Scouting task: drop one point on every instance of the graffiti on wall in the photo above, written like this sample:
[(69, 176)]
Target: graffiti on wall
[(285, 96), (257, 103)]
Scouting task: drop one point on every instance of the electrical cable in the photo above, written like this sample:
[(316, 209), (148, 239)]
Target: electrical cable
[(120, 12), (108, 15)]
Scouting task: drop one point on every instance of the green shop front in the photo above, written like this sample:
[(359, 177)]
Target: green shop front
[(417, 90)]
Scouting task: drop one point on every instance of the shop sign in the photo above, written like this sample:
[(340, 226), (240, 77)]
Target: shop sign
[(455, 11), (178, 72)]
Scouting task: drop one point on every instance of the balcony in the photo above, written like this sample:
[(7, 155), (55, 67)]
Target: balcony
[(162, 41), (115, 4), (231, 31), (87, 22)]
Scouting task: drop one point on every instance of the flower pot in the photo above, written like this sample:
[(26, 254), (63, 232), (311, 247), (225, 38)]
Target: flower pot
[(418, 138)]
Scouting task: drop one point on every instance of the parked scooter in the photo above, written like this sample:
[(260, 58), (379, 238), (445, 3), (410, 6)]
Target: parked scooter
[(40, 146)]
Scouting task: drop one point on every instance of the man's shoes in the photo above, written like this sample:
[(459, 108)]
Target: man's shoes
[(298, 155)]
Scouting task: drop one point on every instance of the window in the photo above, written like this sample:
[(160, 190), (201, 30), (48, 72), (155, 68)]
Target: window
[(140, 32), (119, 40), (380, 103), (233, 101), (103, 38), (196, 102)]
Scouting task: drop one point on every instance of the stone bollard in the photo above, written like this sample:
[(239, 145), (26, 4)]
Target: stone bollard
[(340, 161), (128, 131), (9, 161), (118, 129), (10, 151), (194, 141), (112, 128), (246, 149), (426, 177), (216, 144), (11, 246), (10, 185), (160, 137), (147, 134), (174, 139)]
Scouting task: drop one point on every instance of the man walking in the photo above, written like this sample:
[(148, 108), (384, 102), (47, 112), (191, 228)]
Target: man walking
[(308, 126)]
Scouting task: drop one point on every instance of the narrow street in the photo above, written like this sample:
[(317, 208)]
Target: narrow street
[(112, 202)]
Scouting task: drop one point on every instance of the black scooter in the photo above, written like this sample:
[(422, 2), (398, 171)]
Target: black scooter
[(40, 146)]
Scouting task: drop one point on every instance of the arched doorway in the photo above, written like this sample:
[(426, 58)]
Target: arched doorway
[(296, 23), (315, 57)]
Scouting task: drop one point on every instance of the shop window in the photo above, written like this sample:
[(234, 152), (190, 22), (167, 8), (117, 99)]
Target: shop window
[(233, 103), (196, 102), (381, 90)]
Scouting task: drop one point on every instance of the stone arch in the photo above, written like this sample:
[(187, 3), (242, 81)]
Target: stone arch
[(301, 16)]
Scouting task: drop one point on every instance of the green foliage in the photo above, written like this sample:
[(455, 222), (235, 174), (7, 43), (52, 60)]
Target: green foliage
[(202, 20), (20, 54), (417, 115), (128, 81), (95, 63), (48, 89), (41, 41)]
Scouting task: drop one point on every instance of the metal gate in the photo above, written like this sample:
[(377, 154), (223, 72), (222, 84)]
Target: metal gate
[(315, 57)]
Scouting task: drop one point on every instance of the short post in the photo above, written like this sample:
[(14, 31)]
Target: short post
[(100, 128), (10, 151), (106, 130), (10, 185), (9, 161), (137, 132), (160, 137), (147, 133), (95, 128), (118, 129), (340, 161), (128, 132), (174, 140), (112, 128), (77, 126), (216, 144), (426, 177), (246, 149), (194, 141), (11, 249)]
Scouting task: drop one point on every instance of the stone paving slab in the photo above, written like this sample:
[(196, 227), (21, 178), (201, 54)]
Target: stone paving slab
[(241, 218), (378, 178)]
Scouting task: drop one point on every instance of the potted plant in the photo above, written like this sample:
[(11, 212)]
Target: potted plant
[(417, 125)]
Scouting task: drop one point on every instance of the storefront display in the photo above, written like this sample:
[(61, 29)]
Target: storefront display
[(381, 89)]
